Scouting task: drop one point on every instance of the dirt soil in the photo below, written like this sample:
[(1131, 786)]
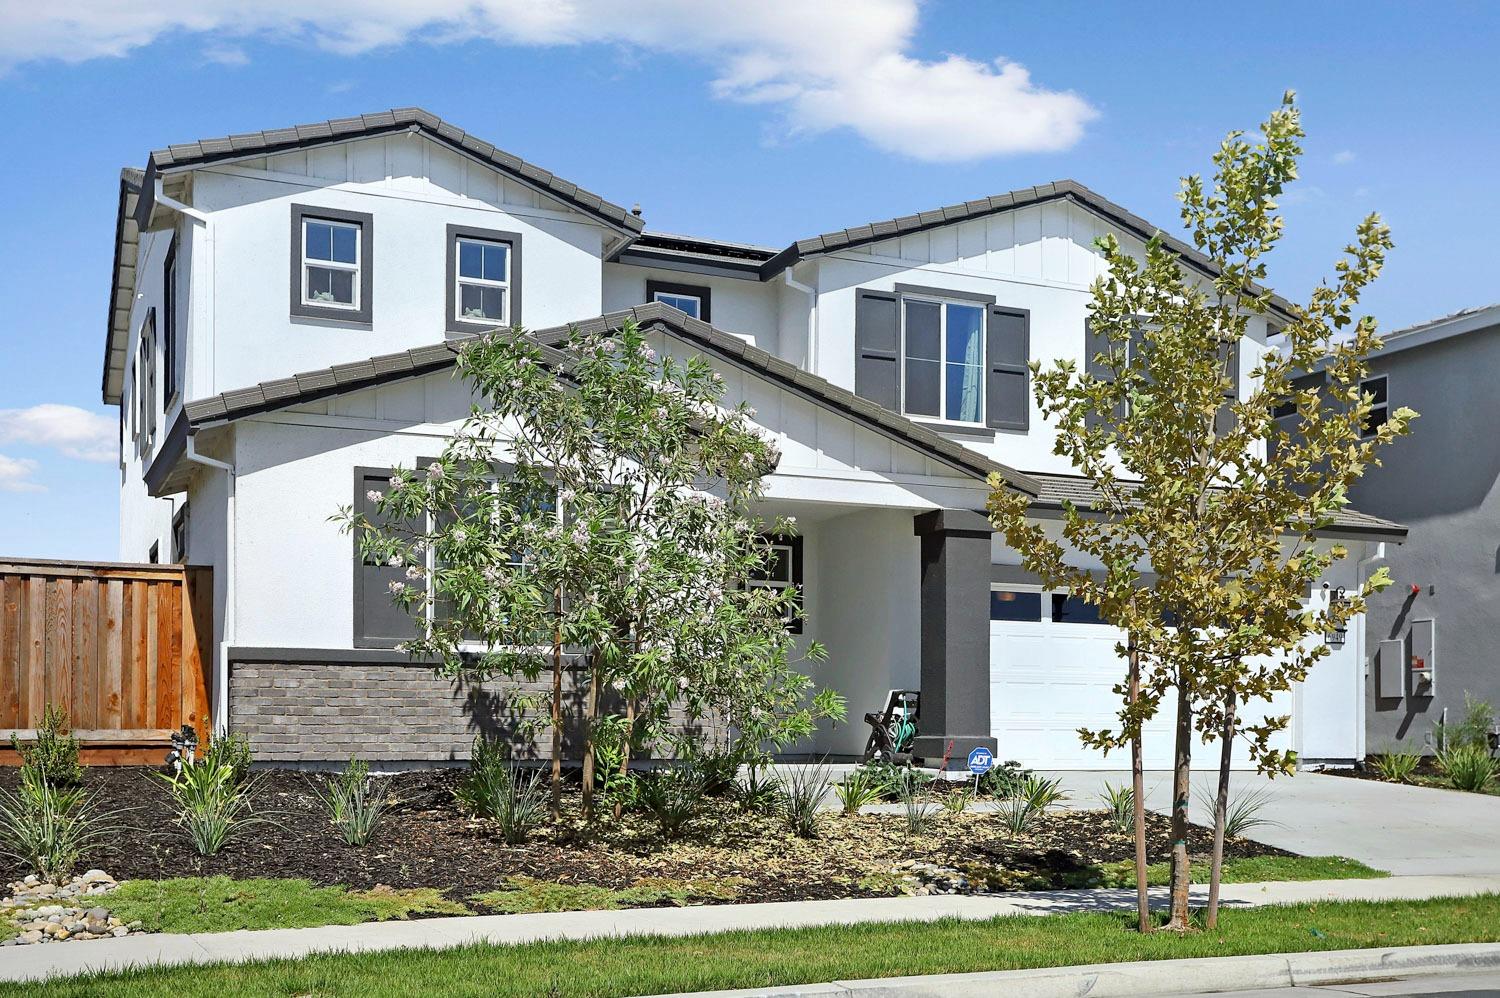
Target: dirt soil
[(427, 842)]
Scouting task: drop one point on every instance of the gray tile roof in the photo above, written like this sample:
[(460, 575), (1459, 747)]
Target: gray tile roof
[(1058, 489), (253, 144), (269, 396), (121, 286), (1057, 190)]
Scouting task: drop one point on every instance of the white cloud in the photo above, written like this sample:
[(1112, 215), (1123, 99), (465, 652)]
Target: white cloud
[(1344, 156), (15, 475), (225, 55), (825, 64), (75, 432)]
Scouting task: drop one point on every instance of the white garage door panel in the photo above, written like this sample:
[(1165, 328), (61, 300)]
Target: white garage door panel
[(1047, 680)]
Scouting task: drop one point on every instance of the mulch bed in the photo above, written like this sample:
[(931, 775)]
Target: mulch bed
[(428, 842)]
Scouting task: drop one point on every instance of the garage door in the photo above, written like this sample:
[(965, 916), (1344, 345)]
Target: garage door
[(1053, 669)]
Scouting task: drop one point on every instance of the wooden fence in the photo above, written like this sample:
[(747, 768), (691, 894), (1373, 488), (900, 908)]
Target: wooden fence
[(123, 649)]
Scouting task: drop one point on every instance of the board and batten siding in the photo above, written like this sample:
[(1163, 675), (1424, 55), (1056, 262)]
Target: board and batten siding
[(121, 649)]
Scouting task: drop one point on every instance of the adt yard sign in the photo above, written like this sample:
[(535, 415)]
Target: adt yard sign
[(980, 761)]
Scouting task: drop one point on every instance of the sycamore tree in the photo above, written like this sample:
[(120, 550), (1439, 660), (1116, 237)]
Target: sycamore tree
[(599, 506), (1204, 489)]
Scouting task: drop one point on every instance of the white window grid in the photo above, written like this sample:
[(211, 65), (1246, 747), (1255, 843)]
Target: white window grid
[(460, 281), (355, 268)]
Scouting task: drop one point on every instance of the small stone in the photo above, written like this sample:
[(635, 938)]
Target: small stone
[(119, 931), (31, 936), (30, 879), (98, 914), (95, 876)]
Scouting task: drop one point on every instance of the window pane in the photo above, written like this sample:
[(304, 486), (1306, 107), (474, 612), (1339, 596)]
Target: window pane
[(319, 237), (1374, 421), (965, 335), (1009, 605), (1376, 388), (685, 303), (470, 259), (923, 329), (330, 286), (963, 393), (494, 261), (344, 237), (922, 387), (479, 302), (1072, 610)]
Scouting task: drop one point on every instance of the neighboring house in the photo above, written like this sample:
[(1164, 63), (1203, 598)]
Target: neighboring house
[(1434, 635), (280, 337)]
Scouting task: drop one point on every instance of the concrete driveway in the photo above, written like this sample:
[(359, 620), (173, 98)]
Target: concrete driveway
[(1404, 830)]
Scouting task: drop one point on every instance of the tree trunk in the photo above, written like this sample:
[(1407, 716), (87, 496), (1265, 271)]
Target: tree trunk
[(1221, 812), (1182, 760), (625, 749), (590, 727), (557, 734), (1138, 802)]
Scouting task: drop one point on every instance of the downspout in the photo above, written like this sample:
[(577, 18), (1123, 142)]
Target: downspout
[(1360, 569), (812, 318), (221, 661)]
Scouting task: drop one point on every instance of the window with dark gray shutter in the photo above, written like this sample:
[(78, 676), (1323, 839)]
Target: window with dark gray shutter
[(378, 621), (1096, 344), (1224, 419), (877, 348), (1008, 350)]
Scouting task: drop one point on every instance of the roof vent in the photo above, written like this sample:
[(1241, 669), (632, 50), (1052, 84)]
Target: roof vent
[(635, 209)]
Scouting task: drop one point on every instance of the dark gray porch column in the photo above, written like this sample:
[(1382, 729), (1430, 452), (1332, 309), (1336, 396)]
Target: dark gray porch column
[(955, 635)]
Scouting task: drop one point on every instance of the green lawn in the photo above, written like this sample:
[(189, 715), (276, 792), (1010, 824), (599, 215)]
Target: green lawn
[(1251, 870), (792, 956)]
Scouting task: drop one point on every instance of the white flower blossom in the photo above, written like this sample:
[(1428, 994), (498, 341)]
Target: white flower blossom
[(792, 520), (396, 588), (413, 572), (395, 482), (434, 471), (608, 346), (460, 535), (682, 682), (374, 495), (396, 561)]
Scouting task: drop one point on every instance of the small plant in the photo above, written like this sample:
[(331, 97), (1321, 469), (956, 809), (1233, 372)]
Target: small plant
[(355, 803), (1243, 812), (891, 777), (1396, 767), (232, 750), (1119, 803), (1003, 780), (1031, 798), (957, 802), (211, 804), (759, 791), (802, 792), (860, 787), (919, 812), (672, 797), (1468, 766), (54, 753), (47, 828), (493, 788), (1474, 729), (717, 771)]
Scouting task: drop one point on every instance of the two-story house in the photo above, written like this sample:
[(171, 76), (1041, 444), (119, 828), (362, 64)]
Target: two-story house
[(280, 335)]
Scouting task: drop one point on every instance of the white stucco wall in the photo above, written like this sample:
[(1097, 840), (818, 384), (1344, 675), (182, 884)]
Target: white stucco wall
[(746, 308)]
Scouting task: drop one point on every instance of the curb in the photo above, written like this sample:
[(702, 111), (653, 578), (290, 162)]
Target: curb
[(1161, 977)]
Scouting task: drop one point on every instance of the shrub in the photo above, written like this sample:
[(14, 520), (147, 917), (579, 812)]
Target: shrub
[(493, 788), (802, 792), (1468, 766), (233, 751), (1473, 730), (1032, 796), (47, 828), (1243, 811), (1119, 802), (1396, 767), (759, 791), (355, 803), (918, 811), (1004, 780), (860, 787), (672, 797), (211, 804), (54, 753), (891, 777), (717, 772)]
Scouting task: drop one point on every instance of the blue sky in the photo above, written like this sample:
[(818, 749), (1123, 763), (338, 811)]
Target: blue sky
[(761, 122)]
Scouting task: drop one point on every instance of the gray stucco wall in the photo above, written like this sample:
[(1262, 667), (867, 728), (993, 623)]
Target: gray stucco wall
[(1441, 482), (333, 709)]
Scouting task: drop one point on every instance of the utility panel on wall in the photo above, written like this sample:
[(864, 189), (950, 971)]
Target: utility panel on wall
[(1423, 658), (1390, 670)]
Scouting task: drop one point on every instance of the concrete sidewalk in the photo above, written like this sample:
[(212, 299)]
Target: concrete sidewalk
[(35, 962)]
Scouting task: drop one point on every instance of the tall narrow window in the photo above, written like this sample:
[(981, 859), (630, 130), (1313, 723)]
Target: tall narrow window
[(782, 571), (484, 279), (170, 347), (943, 360), (1380, 408), (331, 263)]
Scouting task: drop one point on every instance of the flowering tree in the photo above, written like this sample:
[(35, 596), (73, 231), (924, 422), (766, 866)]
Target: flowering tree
[(602, 500), (1215, 497)]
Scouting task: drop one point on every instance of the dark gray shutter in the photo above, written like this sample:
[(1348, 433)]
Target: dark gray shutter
[(1094, 344), (378, 621), (1008, 352), (877, 348), (1224, 419)]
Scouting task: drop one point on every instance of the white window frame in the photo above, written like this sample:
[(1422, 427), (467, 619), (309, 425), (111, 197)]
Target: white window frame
[(942, 358), (480, 282), (1384, 407), (356, 268), (1044, 615), (697, 300)]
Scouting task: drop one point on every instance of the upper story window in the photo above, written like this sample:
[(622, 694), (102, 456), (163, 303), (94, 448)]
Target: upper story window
[(145, 384), (484, 279), (942, 360), (1380, 410), (331, 263), (690, 298), (171, 351)]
